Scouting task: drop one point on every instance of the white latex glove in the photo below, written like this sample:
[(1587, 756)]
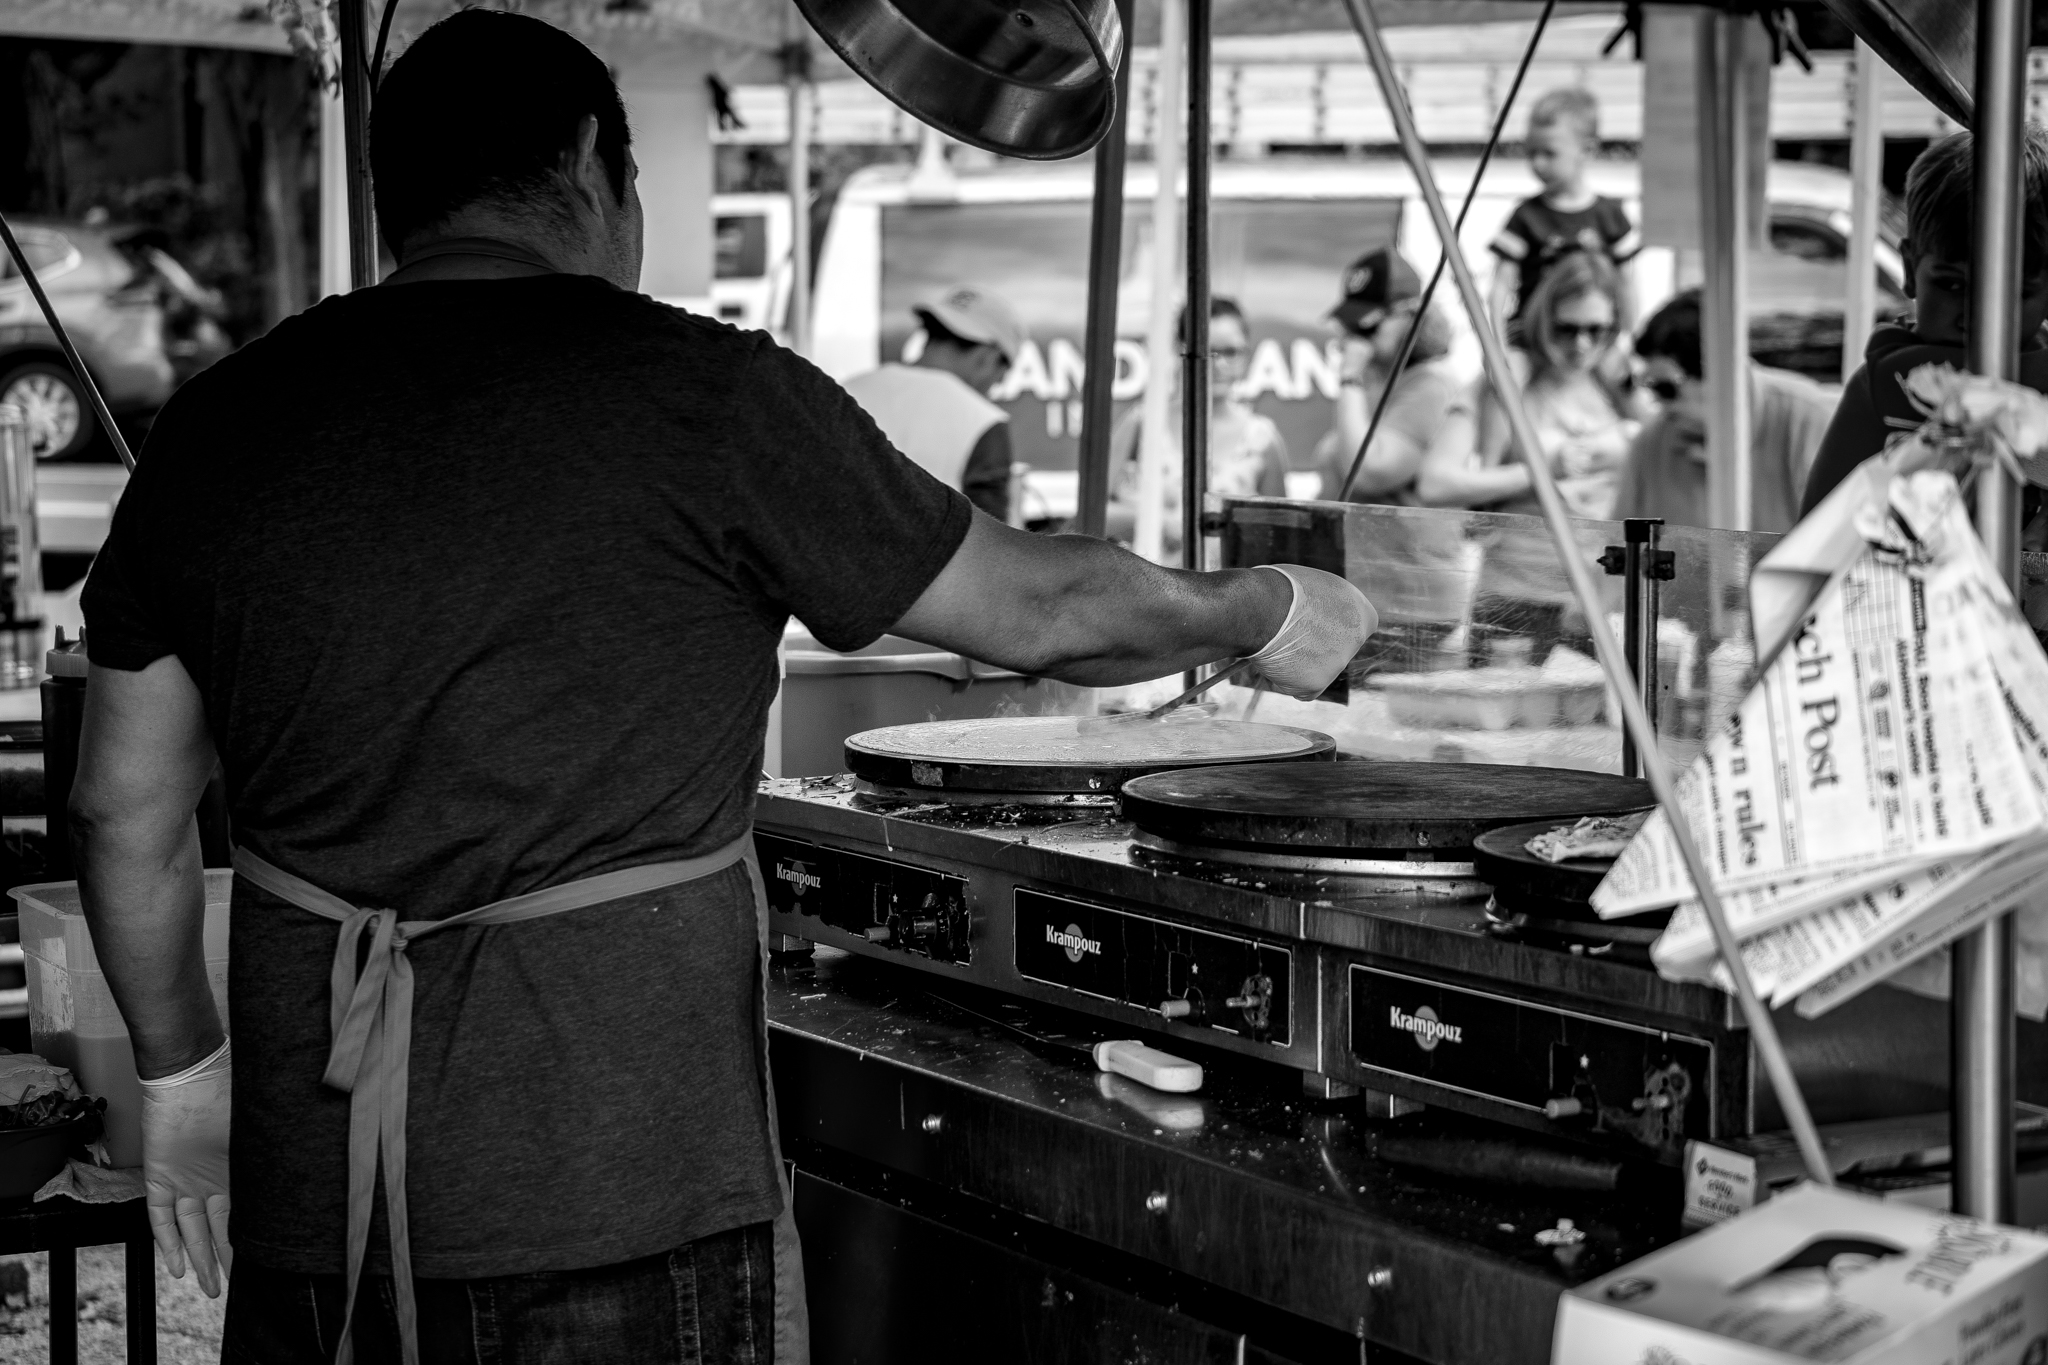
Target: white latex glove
[(185, 1166), (1328, 623)]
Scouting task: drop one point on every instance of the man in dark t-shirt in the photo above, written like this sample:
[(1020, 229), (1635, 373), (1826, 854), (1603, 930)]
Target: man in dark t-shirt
[(473, 583)]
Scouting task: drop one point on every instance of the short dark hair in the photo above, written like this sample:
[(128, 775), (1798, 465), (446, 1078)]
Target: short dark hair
[(1220, 306), (1941, 208), (937, 333), (1673, 332), (483, 106)]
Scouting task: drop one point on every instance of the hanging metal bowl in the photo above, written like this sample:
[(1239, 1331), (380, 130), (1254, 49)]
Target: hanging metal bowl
[(1026, 78)]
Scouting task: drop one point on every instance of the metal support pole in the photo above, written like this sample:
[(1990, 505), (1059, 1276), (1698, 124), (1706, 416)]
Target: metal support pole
[(64, 1305), (1194, 389), (1105, 269), (1724, 239), (1768, 1047), (355, 105), (1866, 176), (797, 73), (334, 219), (1639, 623), (141, 1302), (1980, 1007), (1157, 452)]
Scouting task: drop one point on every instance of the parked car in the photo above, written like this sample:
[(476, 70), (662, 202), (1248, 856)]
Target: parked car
[(140, 321), (1282, 232), (750, 275)]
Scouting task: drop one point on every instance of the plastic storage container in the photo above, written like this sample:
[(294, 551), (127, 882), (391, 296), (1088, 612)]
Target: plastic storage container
[(827, 696), (1497, 698), (72, 1018)]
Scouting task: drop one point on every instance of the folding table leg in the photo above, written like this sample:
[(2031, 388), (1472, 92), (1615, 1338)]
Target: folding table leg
[(63, 1306), (141, 1259)]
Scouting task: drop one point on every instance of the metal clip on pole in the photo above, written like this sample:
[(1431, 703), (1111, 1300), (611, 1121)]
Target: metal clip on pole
[(1642, 566)]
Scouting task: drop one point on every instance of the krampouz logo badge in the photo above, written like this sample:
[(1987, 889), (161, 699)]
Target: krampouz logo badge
[(799, 877), (1076, 944), (1427, 1029)]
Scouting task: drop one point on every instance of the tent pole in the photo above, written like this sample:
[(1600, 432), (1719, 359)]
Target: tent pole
[(1981, 1000), (355, 105), (1105, 268), (1194, 389), (797, 76), (1724, 241), (1156, 449), (1866, 171)]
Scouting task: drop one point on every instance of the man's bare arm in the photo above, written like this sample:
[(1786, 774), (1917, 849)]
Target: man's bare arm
[(144, 758), (1082, 610)]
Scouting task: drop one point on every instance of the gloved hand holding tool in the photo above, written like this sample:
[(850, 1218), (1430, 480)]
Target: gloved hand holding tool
[(1329, 621), (185, 1166)]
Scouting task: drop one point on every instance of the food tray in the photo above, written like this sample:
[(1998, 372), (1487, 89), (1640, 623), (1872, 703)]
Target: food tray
[(1490, 699)]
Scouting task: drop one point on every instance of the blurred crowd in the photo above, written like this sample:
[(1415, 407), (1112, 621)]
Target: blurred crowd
[(1618, 405), (1621, 412)]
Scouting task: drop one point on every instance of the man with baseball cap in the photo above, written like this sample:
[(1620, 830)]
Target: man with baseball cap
[(1382, 302), (936, 410)]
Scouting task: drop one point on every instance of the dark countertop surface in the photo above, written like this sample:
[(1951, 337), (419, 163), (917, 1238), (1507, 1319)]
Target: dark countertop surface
[(1249, 1125)]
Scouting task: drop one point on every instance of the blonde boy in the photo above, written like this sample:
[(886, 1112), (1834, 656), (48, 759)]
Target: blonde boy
[(1563, 138)]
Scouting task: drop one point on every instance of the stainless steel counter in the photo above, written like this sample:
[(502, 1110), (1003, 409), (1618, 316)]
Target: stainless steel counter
[(1244, 1187)]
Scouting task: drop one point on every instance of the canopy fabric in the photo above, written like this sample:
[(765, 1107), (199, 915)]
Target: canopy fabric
[(1932, 43), (741, 32)]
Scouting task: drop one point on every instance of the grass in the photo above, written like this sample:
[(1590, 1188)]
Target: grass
[(188, 1324)]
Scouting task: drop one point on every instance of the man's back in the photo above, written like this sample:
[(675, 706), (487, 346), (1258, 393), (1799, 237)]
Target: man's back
[(481, 583), (579, 499)]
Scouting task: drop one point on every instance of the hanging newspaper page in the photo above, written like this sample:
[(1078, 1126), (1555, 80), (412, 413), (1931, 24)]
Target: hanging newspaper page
[(1883, 788), (1878, 741)]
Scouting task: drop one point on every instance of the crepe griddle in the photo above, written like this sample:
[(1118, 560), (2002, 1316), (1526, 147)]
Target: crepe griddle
[(1398, 808), (1533, 894), (1047, 756), (1503, 860)]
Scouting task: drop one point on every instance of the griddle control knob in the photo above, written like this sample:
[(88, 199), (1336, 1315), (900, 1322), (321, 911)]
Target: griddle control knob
[(1255, 999), (1563, 1109), (878, 933), (1176, 1009)]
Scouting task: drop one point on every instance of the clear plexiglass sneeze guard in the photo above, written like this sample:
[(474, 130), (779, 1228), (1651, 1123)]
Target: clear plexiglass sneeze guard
[(1483, 657)]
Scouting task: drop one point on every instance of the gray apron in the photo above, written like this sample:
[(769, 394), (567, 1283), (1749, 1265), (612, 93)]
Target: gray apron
[(371, 1021)]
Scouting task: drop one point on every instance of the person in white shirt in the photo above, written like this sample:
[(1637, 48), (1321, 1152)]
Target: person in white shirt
[(937, 410), (1247, 454)]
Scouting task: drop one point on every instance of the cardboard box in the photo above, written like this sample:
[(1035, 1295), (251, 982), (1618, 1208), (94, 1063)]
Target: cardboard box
[(1820, 1275)]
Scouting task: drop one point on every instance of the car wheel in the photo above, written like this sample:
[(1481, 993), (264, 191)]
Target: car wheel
[(60, 424)]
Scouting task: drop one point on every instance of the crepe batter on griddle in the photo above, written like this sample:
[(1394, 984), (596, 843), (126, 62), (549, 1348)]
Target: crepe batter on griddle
[(1060, 739)]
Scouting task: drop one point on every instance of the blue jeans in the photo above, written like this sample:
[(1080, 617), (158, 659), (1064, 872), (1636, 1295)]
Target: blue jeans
[(710, 1302)]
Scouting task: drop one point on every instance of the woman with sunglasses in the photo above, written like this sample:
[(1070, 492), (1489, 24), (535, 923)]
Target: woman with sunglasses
[(1583, 420), (1247, 454)]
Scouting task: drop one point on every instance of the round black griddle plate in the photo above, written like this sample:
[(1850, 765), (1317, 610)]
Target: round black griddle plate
[(1440, 807), (893, 760), (1502, 860)]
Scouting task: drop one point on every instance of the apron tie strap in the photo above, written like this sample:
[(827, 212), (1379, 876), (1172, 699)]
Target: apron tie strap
[(370, 1020)]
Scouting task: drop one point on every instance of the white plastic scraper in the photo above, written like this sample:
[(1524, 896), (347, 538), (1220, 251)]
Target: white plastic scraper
[(1149, 1066)]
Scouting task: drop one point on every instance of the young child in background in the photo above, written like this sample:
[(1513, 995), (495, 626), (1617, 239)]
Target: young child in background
[(1563, 138), (1939, 212)]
